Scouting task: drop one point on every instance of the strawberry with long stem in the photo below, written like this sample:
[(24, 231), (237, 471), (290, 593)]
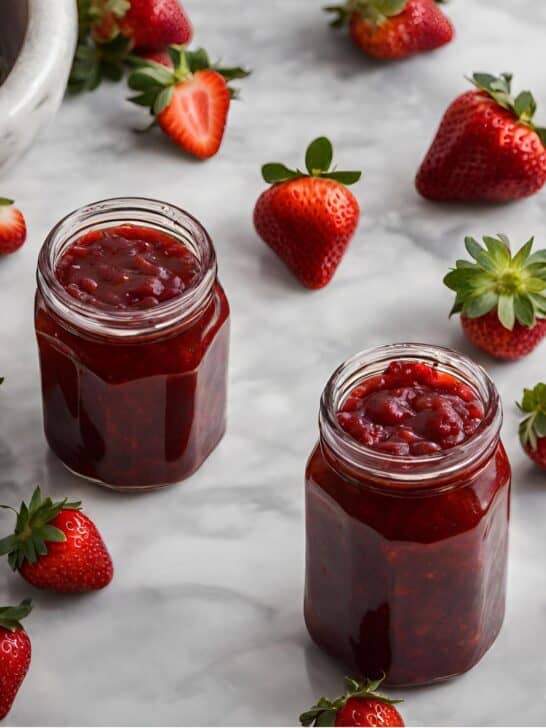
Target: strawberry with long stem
[(190, 101), (360, 705), (501, 297), (15, 653), (57, 547)]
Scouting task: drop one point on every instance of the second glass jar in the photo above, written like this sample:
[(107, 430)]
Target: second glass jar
[(133, 399), (406, 556)]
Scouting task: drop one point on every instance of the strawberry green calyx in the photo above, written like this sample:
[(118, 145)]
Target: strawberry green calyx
[(94, 63), (6, 202), (318, 162), (533, 406), (376, 11), (325, 711), (514, 286), (155, 83), (523, 106), (33, 529), (11, 617)]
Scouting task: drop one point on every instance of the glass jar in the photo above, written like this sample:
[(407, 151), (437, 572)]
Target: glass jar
[(406, 556), (133, 399)]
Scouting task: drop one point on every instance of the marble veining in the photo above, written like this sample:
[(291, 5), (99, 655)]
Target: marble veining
[(203, 624)]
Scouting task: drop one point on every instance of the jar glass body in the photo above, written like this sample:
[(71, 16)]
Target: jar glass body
[(134, 400), (406, 563)]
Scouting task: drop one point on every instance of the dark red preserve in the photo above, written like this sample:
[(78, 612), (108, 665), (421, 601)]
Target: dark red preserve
[(133, 335), (407, 509)]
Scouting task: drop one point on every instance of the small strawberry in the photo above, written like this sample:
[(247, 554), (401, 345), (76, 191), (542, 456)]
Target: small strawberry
[(15, 653), (56, 547), (361, 705), (487, 146), (501, 298), (13, 229), (308, 219), (532, 429), (150, 25), (394, 29), (190, 101)]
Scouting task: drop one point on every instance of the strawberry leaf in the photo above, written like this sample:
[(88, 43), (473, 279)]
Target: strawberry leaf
[(346, 178), (273, 173), (319, 155), (6, 202), (11, 617)]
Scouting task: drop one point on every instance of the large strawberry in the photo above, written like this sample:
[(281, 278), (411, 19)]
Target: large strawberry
[(501, 298), (150, 25), (487, 146), (532, 429), (394, 29), (308, 218), (190, 101), (13, 229), (56, 547), (15, 653), (361, 705)]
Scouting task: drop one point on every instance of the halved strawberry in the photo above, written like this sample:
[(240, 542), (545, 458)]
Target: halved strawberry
[(13, 229), (190, 101)]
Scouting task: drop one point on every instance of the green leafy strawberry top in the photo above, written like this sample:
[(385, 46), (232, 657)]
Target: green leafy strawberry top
[(33, 529), (155, 83), (514, 286), (318, 161), (377, 11), (533, 406), (523, 106), (10, 617), (325, 711)]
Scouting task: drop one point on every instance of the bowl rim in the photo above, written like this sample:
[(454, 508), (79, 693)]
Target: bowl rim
[(50, 28)]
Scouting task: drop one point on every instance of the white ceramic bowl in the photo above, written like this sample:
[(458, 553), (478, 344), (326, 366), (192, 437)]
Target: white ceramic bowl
[(37, 40)]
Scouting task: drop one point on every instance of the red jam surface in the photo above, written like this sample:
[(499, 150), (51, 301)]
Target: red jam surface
[(411, 409), (407, 582), (128, 267), (142, 411)]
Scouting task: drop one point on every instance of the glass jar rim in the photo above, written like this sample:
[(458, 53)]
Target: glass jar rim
[(114, 212), (416, 471)]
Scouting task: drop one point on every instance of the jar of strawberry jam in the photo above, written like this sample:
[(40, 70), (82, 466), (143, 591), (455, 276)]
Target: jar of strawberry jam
[(407, 508), (133, 334)]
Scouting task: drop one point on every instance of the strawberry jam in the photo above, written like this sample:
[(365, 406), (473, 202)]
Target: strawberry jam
[(133, 335), (407, 508)]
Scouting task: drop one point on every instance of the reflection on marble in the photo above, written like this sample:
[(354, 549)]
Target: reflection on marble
[(203, 622)]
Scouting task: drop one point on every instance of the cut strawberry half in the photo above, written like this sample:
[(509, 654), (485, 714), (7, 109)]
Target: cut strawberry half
[(190, 100), (13, 229), (197, 115)]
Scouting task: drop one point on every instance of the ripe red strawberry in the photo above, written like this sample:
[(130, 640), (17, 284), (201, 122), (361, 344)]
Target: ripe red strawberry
[(361, 705), (394, 29), (13, 229), (15, 653), (190, 101), (151, 25), (487, 146), (308, 219), (532, 430), (56, 547), (501, 298)]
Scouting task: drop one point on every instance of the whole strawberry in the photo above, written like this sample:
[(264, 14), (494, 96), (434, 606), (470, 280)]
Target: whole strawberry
[(487, 146), (15, 653), (13, 229), (501, 298), (57, 547), (150, 25), (361, 705), (308, 219), (394, 29), (532, 429), (190, 100)]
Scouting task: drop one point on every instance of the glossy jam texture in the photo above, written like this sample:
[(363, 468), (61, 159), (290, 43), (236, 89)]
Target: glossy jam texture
[(411, 409), (409, 581), (127, 267), (140, 412)]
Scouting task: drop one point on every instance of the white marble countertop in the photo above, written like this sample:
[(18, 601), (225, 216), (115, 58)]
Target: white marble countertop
[(203, 622)]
